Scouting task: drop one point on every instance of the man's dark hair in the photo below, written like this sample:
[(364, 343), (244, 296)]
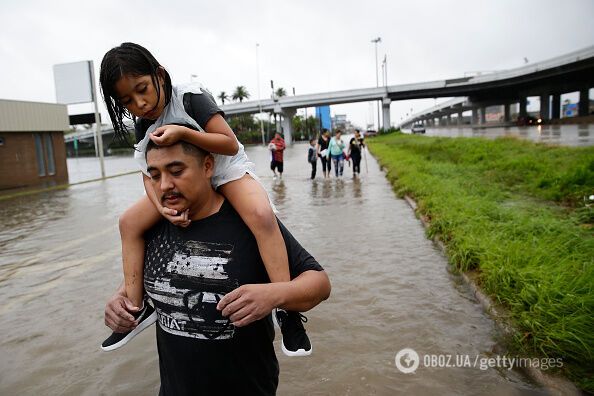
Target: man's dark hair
[(188, 148), (128, 59)]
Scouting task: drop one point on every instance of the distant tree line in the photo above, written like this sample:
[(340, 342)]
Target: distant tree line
[(247, 127)]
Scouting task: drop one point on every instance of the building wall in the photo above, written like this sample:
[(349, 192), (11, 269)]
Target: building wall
[(18, 160), (18, 116)]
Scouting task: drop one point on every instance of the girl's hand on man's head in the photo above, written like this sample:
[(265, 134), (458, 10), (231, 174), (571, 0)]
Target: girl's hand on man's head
[(167, 135)]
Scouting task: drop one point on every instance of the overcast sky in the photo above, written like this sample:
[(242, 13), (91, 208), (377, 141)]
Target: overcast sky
[(312, 45)]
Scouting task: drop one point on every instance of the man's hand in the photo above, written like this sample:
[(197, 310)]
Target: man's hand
[(117, 314), (179, 219), (166, 135), (249, 303)]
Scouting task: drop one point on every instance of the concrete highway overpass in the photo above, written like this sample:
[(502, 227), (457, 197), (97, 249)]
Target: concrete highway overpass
[(548, 79)]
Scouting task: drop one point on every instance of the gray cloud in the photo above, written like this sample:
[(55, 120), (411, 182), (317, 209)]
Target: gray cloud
[(314, 46)]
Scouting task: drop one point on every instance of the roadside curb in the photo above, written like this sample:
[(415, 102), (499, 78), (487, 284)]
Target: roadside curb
[(555, 385)]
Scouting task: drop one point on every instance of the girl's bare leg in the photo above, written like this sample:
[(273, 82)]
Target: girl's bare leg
[(251, 202), (134, 222)]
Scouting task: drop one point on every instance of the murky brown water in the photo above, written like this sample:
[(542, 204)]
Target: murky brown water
[(60, 262)]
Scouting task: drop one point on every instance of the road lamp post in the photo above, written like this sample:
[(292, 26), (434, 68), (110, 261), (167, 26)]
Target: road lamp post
[(376, 41), (259, 99), (385, 69)]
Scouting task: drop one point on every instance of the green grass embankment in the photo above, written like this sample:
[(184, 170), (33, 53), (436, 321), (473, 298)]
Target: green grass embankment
[(515, 212)]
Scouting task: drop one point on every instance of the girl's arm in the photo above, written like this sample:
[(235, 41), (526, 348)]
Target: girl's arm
[(219, 138)]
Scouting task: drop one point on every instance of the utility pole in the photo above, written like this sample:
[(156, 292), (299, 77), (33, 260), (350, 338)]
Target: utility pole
[(259, 99), (376, 41), (385, 63), (98, 132)]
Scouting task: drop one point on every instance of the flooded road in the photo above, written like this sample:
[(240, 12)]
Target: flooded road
[(564, 135), (60, 262)]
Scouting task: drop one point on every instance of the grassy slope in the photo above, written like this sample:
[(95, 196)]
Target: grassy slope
[(515, 211)]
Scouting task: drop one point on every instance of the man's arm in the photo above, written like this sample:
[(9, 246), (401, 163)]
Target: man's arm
[(117, 312), (309, 286), (252, 302)]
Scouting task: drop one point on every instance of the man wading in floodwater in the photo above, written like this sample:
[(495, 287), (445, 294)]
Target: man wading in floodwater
[(210, 288)]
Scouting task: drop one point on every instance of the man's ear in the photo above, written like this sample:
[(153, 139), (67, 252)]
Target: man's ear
[(208, 165)]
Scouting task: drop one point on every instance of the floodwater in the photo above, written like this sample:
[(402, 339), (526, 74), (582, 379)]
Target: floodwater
[(564, 135), (60, 262)]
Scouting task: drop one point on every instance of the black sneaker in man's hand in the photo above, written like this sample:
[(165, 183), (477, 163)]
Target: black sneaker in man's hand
[(146, 317), (295, 341)]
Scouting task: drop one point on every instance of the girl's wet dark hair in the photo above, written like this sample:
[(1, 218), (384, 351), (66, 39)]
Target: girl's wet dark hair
[(128, 59)]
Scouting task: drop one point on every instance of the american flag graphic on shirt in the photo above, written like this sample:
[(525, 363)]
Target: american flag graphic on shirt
[(186, 280)]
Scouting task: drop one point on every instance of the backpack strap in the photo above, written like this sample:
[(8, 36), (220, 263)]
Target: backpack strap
[(188, 105), (189, 109)]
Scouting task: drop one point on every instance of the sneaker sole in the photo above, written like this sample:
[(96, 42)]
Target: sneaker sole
[(149, 321), (299, 352), (274, 321)]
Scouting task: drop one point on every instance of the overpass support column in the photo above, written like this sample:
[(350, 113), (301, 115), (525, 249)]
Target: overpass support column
[(506, 113), (556, 107), (584, 105), (459, 121), (483, 115), (545, 103), (449, 119), (287, 123), (523, 105), (474, 116), (386, 113)]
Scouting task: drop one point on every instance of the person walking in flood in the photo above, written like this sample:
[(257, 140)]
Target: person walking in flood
[(209, 286), (323, 142), (355, 146), (336, 153), (312, 157), (277, 147), (137, 87)]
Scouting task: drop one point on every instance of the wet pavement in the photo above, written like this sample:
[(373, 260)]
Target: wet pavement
[(60, 262)]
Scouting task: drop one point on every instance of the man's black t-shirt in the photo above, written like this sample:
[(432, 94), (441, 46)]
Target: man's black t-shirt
[(203, 107), (187, 272)]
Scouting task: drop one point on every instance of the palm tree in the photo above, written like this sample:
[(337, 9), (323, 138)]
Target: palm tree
[(223, 96), (241, 93), (280, 92)]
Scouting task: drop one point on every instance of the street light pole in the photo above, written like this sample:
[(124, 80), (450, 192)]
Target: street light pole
[(385, 70), (259, 99), (376, 41)]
